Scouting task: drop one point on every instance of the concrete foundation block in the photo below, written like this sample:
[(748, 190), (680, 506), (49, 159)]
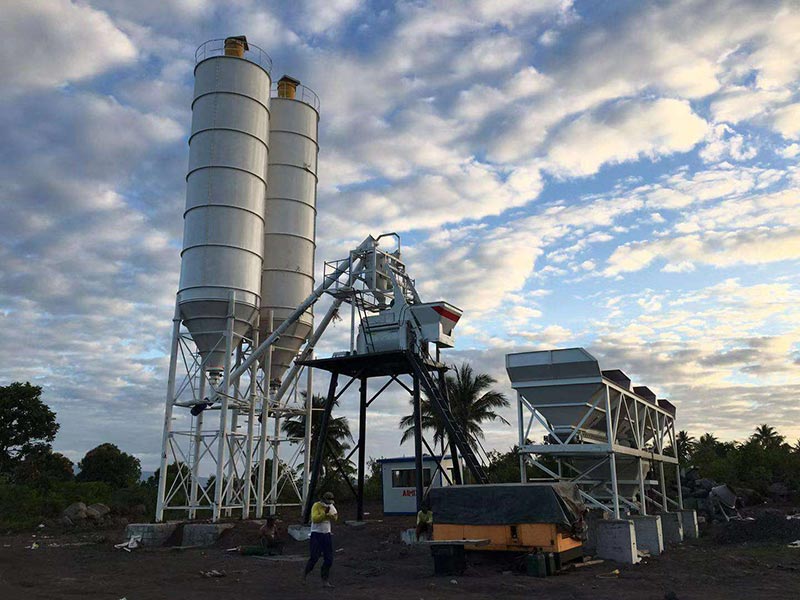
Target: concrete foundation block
[(593, 517), (672, 526), (203, 534), (152, 534), (616, 540), (649, 535), (689, 522)]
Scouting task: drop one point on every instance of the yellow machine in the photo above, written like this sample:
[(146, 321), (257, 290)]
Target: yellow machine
[(512, 517), (521, 537)]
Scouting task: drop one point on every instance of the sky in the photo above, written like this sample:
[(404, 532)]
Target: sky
[(621, 176)]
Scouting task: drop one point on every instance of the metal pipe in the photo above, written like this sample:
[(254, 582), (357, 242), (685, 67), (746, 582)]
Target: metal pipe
[(165, 439), (643, 498), (276, 440), (198, 440), (298, 312), (251, 418), (309, 348), (262, 447), (223, 415), (664, 497), (231, 487), (612, 456)]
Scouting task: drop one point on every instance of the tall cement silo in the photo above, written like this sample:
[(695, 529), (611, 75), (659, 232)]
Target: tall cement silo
[(290, 216), (223, 239)]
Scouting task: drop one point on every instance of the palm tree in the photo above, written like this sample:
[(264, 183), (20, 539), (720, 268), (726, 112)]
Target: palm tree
[(767, 437), (337, 439), (472, 402), (685, 444)]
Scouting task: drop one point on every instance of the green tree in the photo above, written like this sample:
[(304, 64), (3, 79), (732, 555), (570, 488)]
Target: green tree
[(685, 444), (26, 423), (108, 463), (41, 467), (337, 440), (473, 402), (767, 437)]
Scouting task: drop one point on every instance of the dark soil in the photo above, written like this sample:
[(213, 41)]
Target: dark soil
[(371, 563), (768, 526)]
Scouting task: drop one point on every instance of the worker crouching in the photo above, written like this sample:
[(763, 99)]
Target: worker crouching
[(424, 522)]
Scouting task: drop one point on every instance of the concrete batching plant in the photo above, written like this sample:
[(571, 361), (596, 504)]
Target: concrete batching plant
[(242, 330)]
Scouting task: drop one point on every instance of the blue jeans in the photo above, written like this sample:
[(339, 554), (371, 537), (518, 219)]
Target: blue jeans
[(321, 544)]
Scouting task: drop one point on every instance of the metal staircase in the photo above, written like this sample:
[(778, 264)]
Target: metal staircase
[(441, 407)]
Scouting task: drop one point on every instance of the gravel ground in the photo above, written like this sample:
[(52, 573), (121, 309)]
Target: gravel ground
[(371, 563)]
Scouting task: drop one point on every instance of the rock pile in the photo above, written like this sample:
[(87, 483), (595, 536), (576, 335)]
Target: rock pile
[(77, 514)]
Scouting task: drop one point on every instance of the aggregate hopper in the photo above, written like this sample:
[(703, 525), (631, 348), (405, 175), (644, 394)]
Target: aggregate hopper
[(517, 517)]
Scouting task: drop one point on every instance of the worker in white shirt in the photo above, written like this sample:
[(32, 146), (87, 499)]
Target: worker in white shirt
[(321, 541)]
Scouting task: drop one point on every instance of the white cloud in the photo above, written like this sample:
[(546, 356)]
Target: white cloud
[(724, 143), (626, 131), (323, 15), (46, 44), (712, 248), (789, 151), (786, 120)]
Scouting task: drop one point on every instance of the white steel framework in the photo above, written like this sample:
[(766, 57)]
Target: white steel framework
[(255, 466), (614, 443)]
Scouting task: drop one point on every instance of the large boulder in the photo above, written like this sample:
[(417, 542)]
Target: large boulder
[(101, 509), (75, 512)]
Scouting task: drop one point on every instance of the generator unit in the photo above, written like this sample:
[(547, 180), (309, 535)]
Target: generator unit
[(517, 517)]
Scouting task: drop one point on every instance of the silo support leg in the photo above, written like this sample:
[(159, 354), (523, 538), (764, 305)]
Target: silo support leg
[(418, 443), (362, 438), (165, 440)]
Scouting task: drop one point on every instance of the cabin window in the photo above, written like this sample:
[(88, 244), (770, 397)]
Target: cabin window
[(405, 478)]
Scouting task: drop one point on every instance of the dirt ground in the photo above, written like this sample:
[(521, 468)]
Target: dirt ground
[(371, 563)]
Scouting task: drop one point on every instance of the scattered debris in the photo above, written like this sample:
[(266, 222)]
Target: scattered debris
[(134, 542), (213, 573), (299, 532), (33, 546), (611, 575), (283, 558), (588, 563), (339, 550), (409, 536), (795, 544), (454, 581)]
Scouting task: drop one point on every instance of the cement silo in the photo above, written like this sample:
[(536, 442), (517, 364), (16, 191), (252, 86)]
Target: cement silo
[(290, 217), (223, 238)]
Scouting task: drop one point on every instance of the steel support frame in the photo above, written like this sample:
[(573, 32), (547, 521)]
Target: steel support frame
[(650, 427), (359, 448), (194, 440)]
